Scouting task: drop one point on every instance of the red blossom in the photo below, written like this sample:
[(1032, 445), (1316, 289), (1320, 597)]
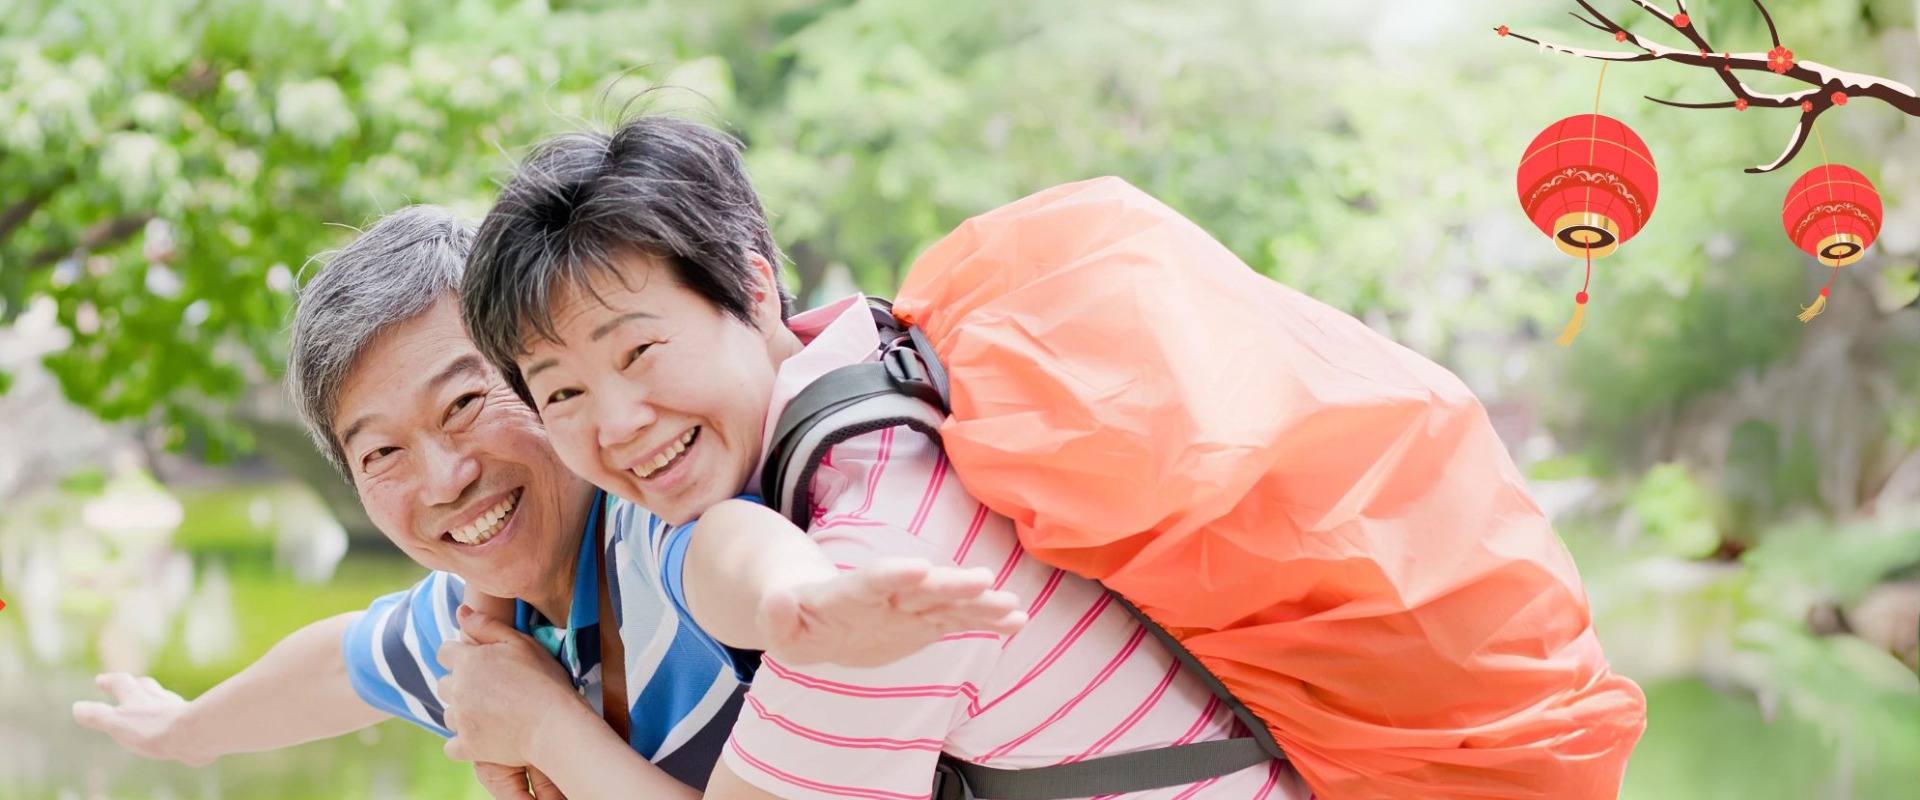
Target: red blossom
[(1502, 30), (1806, 105), (1740, 104), (1619, 36), (1680, 20), (1780, 59), (1839, 98)]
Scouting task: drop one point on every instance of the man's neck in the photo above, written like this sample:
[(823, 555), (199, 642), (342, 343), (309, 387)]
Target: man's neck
[(554, 596), (555, 606)]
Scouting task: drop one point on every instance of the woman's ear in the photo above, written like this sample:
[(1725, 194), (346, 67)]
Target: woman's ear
[(765, 292)]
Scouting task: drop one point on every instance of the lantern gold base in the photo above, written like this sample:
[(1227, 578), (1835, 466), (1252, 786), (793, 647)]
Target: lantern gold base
[(1586, 235), (1840, 250)]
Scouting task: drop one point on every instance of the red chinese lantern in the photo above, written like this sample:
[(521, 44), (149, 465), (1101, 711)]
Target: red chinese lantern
[(1589, 182), (1833, 213)]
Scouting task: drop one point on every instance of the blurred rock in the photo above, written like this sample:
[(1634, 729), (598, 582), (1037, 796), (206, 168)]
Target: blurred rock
[(1887, 617)]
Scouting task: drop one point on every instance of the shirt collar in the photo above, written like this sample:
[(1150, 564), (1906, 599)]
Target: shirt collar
[(833, 336)]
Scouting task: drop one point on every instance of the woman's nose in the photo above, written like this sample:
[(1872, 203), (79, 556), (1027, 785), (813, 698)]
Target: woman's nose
[(624, 413)]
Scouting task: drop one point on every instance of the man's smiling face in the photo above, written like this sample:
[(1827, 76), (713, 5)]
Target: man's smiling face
[(452, 467)]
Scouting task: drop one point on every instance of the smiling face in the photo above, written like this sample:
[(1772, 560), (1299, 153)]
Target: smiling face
[(654, 394), (453, 468)]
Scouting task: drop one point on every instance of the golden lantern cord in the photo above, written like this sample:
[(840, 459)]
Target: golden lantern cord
[(1593, 145), (1829, 181), (1598, 87)]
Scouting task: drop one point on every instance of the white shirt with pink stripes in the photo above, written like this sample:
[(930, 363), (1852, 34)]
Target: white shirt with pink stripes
[(1082, 680)]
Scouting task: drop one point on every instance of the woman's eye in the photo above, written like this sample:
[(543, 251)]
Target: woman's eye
[(560, 396), (634, 355)]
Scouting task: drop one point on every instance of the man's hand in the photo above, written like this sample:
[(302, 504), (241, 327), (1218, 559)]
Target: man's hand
[(883, 612), (144, 718), (515, 783), (501, 688)]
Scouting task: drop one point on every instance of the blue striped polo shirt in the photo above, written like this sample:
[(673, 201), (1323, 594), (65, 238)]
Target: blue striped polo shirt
[(685, 688)]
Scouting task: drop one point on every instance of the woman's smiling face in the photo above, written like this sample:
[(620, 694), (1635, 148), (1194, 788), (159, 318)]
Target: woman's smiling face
[(652, 392)]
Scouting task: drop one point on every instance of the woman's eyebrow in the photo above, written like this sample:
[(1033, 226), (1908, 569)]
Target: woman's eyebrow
[(597, 334), (608, 326)]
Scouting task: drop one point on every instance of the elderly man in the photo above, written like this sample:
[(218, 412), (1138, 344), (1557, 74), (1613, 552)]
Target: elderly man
[(458, 473)]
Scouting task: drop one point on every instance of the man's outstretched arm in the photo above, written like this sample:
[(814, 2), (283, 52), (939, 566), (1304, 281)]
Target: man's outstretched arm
[(298, 692)]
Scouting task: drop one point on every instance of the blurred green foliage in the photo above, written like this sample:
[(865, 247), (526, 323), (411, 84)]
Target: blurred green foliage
[(169, 166)]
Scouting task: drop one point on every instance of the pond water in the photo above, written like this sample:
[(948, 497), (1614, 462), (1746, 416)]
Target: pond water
[(188, 587)]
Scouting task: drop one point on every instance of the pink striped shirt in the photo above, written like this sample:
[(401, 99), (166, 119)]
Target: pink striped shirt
[(1082, 680)]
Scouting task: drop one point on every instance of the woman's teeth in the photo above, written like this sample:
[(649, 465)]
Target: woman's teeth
[(666, 457), (488, 525)]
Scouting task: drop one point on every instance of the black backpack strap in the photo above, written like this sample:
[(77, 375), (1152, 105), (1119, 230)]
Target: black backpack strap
[(847, 402), (1138, 771)]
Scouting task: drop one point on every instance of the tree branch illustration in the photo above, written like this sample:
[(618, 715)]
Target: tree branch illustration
[(1827, 86)]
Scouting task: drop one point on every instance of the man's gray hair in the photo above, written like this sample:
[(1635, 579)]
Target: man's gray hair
[(392, 273)]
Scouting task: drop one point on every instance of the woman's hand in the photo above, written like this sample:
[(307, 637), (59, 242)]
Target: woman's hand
[(883, 612), (501, 691)]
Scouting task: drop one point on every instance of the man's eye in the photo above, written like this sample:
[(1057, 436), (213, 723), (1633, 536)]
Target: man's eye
[(374, 456), (464, 402)]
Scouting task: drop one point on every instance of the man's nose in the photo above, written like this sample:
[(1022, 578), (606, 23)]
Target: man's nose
[(450, 470)]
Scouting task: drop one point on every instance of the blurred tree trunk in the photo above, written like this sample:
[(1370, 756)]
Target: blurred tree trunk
[(810, 265), (1832, 403)]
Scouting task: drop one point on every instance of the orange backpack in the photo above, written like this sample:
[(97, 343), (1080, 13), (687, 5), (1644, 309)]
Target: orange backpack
[(1320, 520)]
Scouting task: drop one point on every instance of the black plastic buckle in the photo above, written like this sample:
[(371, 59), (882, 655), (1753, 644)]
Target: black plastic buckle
[(908, 372)]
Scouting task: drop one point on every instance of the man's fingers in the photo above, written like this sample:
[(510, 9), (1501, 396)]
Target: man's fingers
[(90, 714), (485, 628), (543, 787), (448, 688), (451, 653), (502, 782), (118, 684)]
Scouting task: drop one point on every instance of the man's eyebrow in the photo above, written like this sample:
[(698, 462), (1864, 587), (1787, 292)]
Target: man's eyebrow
[(353, 430), (608, 326), (463, 365)]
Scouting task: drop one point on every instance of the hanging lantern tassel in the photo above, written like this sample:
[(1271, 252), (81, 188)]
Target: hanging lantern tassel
[(1807, 313), (1579, 320)]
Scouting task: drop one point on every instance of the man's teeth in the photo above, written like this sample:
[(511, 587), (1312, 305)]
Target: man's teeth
[(488, 524), (667, 456)]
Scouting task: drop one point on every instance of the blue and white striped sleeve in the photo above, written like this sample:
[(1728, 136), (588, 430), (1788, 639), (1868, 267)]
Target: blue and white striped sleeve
[(390, 650)]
